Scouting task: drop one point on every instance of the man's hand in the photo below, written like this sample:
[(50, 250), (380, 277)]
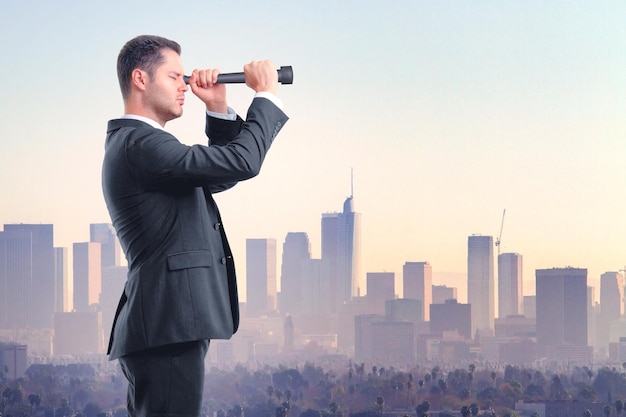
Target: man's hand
[(202, 83), (261, 76)]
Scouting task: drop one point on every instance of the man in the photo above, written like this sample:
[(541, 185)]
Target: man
[(181, 289)]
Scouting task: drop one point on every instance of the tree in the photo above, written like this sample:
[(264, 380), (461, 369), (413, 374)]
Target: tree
[(465, 411), (474, 409), (380, 403), (607, 410), (92, 409), (587, 413), (422, 409), (619, 406)]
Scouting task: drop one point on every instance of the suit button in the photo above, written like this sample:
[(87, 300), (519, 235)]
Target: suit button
[(217, 226), (224, 261)]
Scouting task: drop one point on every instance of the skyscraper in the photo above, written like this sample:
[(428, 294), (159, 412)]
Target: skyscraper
[(64, 288), (417, 283), (510, 290), (260, 277), (611, 305), (296, 251), (561, 308), (27, 279), (341, 252), (87, 276), (380, 288), (480, 282), (104, 234)]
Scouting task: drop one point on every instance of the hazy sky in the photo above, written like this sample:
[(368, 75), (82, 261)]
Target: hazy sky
[(448, 112)]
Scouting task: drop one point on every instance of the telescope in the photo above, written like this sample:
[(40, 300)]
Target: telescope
[(285, 76)]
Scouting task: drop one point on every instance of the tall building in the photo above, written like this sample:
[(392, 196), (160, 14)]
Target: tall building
[(341, 251), (260, 277), (87, 276), (104, 234), (480, 282), (441, 293), (417, 283), (561, 298), (296, 251), (380, 289), (27, 276), (510, 285), (63, 283), (611, 305), (451, 316)]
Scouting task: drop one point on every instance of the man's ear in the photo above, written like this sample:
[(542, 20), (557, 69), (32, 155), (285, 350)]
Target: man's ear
[(139, 79)]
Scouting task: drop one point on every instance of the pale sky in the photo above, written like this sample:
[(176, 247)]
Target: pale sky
[(448, 112)]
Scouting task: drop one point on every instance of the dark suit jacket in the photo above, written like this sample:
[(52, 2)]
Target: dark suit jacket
[(181, 282)]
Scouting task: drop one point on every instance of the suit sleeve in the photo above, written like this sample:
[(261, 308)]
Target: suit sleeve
[(236, 153)]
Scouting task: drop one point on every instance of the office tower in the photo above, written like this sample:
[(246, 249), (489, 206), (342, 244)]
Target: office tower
[(561, 308), (104, 234), (530, 306), (27, 279), (393, 342), (363, 346), (62, 280), (417, 280), (404, 309), (612, 295), (611, 305), (441, 293), (510, 281), (341, 251), (315, 287), (87, 276), (260, 277), (480, 282), (380, 288), (451, 316), (296, 251)]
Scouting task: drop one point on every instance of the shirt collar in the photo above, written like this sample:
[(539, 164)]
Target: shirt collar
[(143, 119)]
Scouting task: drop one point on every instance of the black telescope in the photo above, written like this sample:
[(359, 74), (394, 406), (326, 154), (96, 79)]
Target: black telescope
[(285, 76)]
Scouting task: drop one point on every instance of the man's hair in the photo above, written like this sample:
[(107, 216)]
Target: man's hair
[(144, 53)]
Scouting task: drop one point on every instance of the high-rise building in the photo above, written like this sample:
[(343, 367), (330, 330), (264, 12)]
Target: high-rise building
[(27, 279), (451, 316), (296, 251), (417, 282), (62, 279), (480, 282), (104, 234), (530, 306), (380, 289), (611, 305), (561, 297), (260, 277), (441, 293), (510, 285), (87, 276), (341, 251)]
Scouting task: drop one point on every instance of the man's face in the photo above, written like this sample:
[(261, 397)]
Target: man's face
[(165, 94)]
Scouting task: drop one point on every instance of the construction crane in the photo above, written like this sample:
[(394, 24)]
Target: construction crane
[(500, 235)]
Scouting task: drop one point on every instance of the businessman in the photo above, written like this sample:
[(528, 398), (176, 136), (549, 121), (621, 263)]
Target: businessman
[(181, 290)]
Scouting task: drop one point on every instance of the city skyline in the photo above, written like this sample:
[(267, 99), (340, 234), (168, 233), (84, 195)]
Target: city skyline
[(448, 113)]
